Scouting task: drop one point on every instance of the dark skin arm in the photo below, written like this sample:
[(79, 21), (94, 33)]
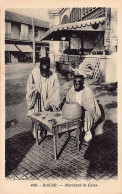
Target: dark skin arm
[(49, 108), (62, 103), (38, 95)]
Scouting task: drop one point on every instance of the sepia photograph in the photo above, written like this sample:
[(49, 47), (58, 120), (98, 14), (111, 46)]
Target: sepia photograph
[(61, 96), (61, 93)]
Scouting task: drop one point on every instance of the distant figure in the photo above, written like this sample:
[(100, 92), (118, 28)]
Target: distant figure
[(85, 97), (78, 69), (42, 89)]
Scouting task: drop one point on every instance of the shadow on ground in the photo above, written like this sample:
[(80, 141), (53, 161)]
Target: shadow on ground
[(106, 89), (111, 105), (102, 152), (15, 98), (16, 149), (15, 91)]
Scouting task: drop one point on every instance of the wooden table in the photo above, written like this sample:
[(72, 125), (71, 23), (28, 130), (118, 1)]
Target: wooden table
[(54, 123)]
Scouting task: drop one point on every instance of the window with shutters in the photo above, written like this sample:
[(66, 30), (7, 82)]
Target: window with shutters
[(8, 29), (75, 15), (65, 20), (24, 32)]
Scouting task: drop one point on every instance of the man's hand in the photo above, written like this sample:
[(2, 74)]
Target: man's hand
[(49, 108), (38, 95), (62, 103)]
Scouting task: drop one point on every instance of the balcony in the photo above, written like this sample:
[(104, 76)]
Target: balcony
[(95, 12), (12, 36), (88, 10), (8, 35), (24, 37)]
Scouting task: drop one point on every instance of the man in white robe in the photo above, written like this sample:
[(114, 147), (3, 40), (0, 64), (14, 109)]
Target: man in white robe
[(42, 89), (85, 97)]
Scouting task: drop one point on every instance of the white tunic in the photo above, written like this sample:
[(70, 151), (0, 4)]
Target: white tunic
[(79, 97), (48, 88)]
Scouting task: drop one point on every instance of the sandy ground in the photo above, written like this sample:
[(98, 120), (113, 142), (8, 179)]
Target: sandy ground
[(16, 107)]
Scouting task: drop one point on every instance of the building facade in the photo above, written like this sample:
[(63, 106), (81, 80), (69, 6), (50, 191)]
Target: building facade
[(90, 32), (19, 38)]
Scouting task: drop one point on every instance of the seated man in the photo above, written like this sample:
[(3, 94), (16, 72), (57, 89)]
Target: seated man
[(42, 89), (85, 97)]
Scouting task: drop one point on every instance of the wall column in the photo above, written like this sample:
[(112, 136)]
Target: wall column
[(107, 30), (111, 61), (53, 45), (113, 30)]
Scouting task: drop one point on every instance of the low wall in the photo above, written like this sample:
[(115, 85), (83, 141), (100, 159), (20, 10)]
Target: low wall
[(97, 64), (104, 67), (111, 68)]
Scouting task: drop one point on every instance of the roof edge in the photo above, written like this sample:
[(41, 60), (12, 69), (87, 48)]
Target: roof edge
[(45, 24)]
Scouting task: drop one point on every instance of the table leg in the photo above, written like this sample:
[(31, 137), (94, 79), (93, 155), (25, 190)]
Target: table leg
[(55, 139), (78, 134), (36, 129), (69, 134)]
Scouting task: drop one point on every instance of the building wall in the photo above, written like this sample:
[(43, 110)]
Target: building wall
[(53, 51), (57, 20), (40, 33), (18, 30), (52, 20), (82, 13), (113, 30), (111, 62), (111, 68), (8, 27), (53, 45)]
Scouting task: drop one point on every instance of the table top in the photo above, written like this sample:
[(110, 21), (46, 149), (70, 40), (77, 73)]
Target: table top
[(52, 119)]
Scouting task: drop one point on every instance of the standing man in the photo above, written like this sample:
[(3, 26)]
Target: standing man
[(42, 89), (85, 97)]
